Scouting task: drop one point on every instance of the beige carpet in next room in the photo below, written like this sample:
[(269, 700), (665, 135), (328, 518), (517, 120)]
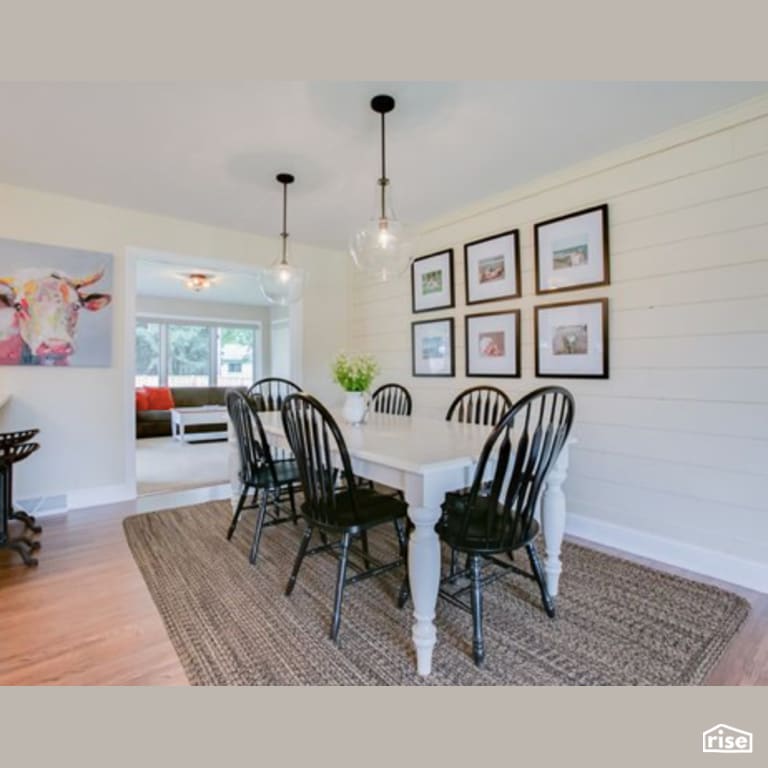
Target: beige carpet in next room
[(164, 465)]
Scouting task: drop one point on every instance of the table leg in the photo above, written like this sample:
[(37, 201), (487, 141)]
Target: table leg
[(424, 577), (553, 520)]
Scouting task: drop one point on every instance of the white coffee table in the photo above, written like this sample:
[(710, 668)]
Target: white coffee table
[(181, 418)]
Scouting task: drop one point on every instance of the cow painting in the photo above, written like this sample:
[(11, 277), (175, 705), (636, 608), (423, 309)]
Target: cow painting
[(11, 345), (39, 313)]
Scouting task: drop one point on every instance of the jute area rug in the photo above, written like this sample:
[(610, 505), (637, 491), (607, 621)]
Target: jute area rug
[(618, 623)]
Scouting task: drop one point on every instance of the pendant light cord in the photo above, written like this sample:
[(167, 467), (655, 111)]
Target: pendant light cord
[(284, 233), (383, 181)]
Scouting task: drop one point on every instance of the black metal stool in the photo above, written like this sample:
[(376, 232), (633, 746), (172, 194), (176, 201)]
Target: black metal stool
[(14, 447)]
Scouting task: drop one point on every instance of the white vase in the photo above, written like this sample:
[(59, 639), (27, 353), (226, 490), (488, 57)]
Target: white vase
[(355, 407)]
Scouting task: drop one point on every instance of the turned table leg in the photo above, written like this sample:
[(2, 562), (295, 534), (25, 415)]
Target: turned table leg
[(553, 520), (424, 578)]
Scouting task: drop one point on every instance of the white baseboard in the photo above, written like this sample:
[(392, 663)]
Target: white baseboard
[(60, 504), (156, 501), (113, 494), (43, 506), (746, 573), (102, 494)]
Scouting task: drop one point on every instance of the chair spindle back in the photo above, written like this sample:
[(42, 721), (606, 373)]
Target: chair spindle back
[(479, 405), (318, 447), (518, 455), (273, 391), (392, 398), (253, 449)]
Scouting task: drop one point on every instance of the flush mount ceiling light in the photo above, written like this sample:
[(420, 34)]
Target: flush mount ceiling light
[(380, 249), (283, 283), (197, 281)]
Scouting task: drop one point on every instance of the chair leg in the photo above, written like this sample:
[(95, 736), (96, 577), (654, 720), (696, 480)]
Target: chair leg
[(405, 587), (405, 592), (238, 510), (546, 598), (292, 496), (340, 579), (364, 544), (299, 557), (254, 553), (452, 571), (478, 645)]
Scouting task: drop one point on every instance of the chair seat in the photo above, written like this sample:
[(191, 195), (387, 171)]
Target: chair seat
[(484, 532), (373, 508), (286, 471)]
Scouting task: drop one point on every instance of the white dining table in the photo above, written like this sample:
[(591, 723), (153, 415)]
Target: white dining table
[(425, 458)]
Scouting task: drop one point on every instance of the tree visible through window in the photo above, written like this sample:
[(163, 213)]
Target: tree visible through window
[(147, 354), (189, 356), (180, 354)]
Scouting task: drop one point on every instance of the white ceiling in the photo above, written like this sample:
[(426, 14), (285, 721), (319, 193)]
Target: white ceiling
[(210, 151), (165, 276)]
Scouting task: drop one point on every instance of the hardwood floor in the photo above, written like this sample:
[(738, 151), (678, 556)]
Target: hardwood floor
[(84, 616)]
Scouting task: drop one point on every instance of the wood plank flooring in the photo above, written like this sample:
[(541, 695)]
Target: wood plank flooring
[(84, 615)]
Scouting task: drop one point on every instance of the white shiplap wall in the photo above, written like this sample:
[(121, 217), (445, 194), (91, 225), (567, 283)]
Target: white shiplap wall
[(672, 460)]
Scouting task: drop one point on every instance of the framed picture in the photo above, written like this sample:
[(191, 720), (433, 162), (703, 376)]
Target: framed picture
[(432, 347), (572, 251), (432, 281), (572, 339), (55, 306), (492, 268), (492, 343)]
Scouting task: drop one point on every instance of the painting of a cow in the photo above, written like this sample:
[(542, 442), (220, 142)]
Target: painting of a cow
[(47, 311)]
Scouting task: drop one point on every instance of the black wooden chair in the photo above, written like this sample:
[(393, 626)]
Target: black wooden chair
[(483, 405), (495, 515), (479, 405), (268, 395), (340, 515), (259, 472), (273, 392), (391, 398), (394, 399)]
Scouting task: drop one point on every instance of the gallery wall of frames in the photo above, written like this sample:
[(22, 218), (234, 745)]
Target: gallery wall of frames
[(570, 336), (685, 294)]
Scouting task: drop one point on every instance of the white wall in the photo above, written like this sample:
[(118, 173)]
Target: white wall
[(85, 414), (673, 448)]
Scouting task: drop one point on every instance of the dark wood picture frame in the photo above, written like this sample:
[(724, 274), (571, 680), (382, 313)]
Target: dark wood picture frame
[(451, 347), (440, 307), (606, 251), (518, 281), (517, 374), (605, 337)]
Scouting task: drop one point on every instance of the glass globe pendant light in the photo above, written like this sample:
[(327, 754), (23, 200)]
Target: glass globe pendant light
[(380, 249), (282, 283)]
